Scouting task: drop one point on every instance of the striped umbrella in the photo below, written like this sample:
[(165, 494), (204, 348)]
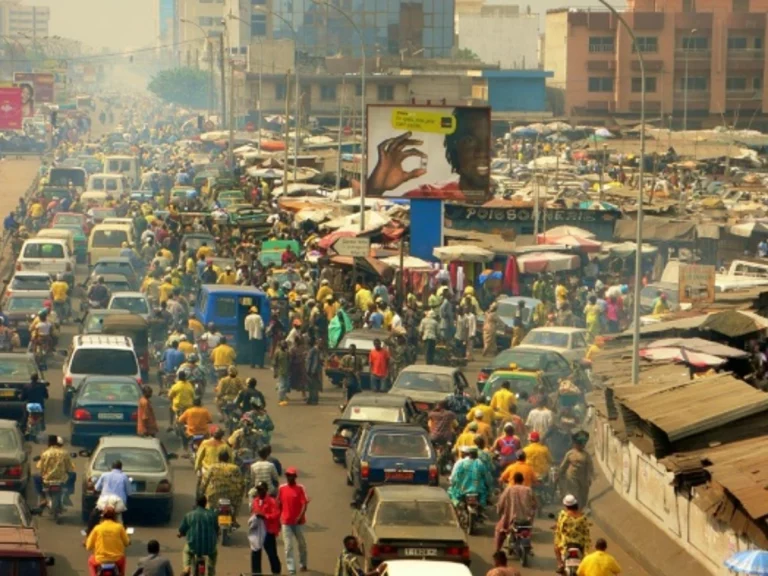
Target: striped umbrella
[(753, 562)]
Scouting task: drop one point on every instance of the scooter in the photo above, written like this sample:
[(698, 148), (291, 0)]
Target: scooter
[(54, 494), (35, 422), (109, 568), (469, 512), (226, 527), (519, 542), (573, 556)]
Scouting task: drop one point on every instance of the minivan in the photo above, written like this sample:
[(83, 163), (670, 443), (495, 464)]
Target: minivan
[(106, 240), (114, 185), (128, 166), (51, 255), (63, 234)]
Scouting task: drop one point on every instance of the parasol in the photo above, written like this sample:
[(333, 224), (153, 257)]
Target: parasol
[(462, 253), (752, 562), (409, 263), (570, 231), (535, 262), (679, 354), (489, 275), (603, 133), (583, 244)]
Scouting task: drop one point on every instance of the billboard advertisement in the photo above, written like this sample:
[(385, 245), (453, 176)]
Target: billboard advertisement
[(696, 284), (439, 152), (42, 82), (11, 116)]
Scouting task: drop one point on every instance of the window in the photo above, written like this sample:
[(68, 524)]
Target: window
[(696, 83), (689, 5), (328, 92), (206, 21), (358, 88), (108, 238), (695, 43), (386, 93), (647, 44), (601, 44), (225, 307), (740, 6), (280, 91), (91, 361), (600, 84), (399, 446), (737, 43), (757, 83), (758, 43), (258, 24), (44, 250), (637, 85), (735, 84)]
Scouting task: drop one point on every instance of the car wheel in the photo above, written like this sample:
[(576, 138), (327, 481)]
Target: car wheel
[(349, 480), (338, 459)]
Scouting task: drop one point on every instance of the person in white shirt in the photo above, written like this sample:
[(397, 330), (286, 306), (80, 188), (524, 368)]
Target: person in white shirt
[(397, 321), (540, 419), (254, 325)]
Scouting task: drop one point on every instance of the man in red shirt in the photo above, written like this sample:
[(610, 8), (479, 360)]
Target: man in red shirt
[(378, 359), (265, 507), (292, 501)]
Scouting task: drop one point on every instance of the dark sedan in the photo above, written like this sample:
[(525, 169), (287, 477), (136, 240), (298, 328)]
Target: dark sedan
[(20, 307), (104, 406), (368, 407), (15, 371), (14, 459)]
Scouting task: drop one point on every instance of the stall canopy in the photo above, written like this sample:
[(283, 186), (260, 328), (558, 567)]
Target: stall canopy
[(746, 229), (409, 263), (535, 262), (368, 264), (583, 244), (463, 253), (735, 323), (656, 229), (570, 231)]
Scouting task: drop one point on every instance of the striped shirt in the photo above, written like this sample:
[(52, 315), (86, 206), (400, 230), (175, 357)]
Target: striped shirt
[(265, 471), (201, 527)]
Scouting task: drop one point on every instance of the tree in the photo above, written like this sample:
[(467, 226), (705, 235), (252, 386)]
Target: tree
[(466, 54), (183, 86)]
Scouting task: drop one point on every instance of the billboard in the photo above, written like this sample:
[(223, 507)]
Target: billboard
[(42, 82), (439, 152), (696, 284), (11, 116)]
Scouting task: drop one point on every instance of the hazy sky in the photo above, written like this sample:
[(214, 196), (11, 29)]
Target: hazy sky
[(112, 23)]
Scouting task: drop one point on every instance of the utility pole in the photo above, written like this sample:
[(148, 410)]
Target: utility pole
[(231, 121), (223, 80), (211, 79), (341, 122), (287, 110)]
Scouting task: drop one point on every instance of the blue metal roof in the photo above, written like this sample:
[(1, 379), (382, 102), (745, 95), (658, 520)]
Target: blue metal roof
[(511, 74)]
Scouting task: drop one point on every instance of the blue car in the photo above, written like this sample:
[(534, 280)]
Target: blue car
[(390, 454), (104, 406)]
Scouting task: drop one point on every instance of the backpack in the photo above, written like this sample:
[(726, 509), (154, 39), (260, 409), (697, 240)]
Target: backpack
[(507, 451)]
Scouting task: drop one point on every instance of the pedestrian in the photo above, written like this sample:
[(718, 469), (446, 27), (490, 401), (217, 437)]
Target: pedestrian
[(297, 368), (379, 359), (577, 471), (154, 564), (315, 372), (223, 481), (500, 567), (348, 563), (428, 331), (490, 325), (146, 423), (201, 529), (264, 472), (292, 501), (263, 528), (254, 325), (599, 562)]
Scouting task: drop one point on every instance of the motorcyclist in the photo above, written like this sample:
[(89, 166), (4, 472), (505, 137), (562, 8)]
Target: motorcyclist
[(538, 456), (208, 452), (114, 484), (185, 345), (194, 371), (98, 294), (228, 389), (460, 404), (8, 338), (571, 529), (262, 422), (470, 476), (250, 397), (211, 337), (158, 328), (42, 332), (60, 295), (247, 439), (223, 354), (181, 395), (107, 543), (55, 466)]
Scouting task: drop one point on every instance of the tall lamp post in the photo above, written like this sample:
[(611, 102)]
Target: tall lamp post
[(266, 10), (261, 67), (364, 127), (686, 50), (639, 229), (210, 63)]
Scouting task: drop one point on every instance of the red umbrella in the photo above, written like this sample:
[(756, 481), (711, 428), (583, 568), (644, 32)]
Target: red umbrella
[(577, 242), (327, 241)]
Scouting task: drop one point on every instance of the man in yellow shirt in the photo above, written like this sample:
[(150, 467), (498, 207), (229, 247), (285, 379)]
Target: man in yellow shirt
[(538, 456), (166, 289), (107, 542), (181, 395), (502, 399), (487, 413), (186, 346), (466, 438), (529, 476), (208, 452), (227, 277), (363, 298), (196, 419), (324, 291), (483, 428), (205, 251), (36, 210), (599, 562), (195, 326), (223, 354)]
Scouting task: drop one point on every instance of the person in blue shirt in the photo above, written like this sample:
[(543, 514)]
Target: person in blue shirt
[(10, 224), (115, 483), (172, 358), (376, 319)]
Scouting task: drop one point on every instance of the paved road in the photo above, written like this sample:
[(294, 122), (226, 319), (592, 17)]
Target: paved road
[(301, 440)]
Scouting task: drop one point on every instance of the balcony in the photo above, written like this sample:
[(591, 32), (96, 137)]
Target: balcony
[(651, 65), (744, 95), (601, 65), (747, 54), (650, 105), (746, 21), (691, 20)]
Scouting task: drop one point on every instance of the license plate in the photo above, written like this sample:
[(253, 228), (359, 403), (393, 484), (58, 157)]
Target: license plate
[(398, 475), (420, 552), (110, 416), (7, 393), (225, 520), (572, 562)]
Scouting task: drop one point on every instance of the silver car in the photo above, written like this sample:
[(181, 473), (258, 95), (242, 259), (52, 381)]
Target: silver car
[(147, 464)]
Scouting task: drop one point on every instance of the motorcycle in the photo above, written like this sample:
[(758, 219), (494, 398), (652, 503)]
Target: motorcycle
[(519, 542), (445, 458), (54, 493), (194, 444), (35, 422), (469, 511), (62, 310), (572, 560), (221, 371), (226, 527), (109, 568), (545, 490), (232, 416)]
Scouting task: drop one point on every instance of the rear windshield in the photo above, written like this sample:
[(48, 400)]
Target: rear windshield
[(24, 566), (10, 516), (9, 441), (68, 219), (132, 305), (110, 392), (108, 238), (43, 250), (375, 414), (17, 368), (554, 339), (31, 283), (97, 184), (15, 304), (425, 382), (416, 513), (133, 459), (91, 361), (399, 445)]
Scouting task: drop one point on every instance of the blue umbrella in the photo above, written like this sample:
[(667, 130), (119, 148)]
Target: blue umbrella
[(495, 275), (753, 562)]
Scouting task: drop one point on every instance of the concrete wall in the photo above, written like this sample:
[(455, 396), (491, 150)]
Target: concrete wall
[(555, 49), (517, 94), (508, 40), (455, 89), (647, 486)]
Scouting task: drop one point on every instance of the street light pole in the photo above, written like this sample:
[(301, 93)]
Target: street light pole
[(686, 50), (639, 228), (363, 122), (210, 64), (261, 68)]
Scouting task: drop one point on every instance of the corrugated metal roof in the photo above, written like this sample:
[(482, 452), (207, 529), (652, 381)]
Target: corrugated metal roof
[(690, 407)]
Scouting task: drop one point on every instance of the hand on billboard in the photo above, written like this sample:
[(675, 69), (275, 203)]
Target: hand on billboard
[(388, 173)]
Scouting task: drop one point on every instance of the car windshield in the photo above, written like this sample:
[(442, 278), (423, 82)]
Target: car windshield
[(17, 303), (517, 384), (416, 514), (361, 342), (10, 515), (91, 361), (31, 283), (195, 243), (122, 268), (110, 392), (509, 310), (132, 304), (94, 323), (16, 368), (109, 238), (9, 440), (133, 459), (543, 338), (424, 382), (524, 360), (68, 219), (374, 414), (117, 286), (391, 445)]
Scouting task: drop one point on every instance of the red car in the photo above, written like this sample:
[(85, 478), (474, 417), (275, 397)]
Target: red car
[(72, 218)]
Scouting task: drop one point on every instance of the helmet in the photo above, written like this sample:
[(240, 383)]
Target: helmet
[(183, 337), (182, 374), (100, 279), (210, 326), (60, 277), (232, 371), (192, 357)]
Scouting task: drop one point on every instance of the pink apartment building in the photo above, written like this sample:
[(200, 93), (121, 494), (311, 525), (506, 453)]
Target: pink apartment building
[(721, 42)]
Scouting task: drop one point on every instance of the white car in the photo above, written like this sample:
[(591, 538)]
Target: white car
[(131, 302), (29, 282), (571, 343), (50, 255)]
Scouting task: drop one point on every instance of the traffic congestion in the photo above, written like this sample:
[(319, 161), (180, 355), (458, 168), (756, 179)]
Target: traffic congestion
[(189, 379)]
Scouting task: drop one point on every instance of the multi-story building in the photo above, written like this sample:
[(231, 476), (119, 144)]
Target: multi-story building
[(248, 22), (499, 33), (421, 28), (703, 58), (20, 20), (194, 16)]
